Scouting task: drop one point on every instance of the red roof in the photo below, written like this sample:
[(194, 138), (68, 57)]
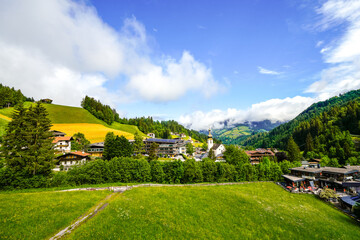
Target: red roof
[(79, 153), (57, 139)]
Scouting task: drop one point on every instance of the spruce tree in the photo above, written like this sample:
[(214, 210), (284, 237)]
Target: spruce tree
[(293, 150), (138, 144), (309, 145), (27, 143)]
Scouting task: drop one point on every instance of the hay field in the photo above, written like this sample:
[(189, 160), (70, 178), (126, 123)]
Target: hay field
[(93, 132)]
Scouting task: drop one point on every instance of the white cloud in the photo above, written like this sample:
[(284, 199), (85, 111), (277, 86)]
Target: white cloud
[(64, 50), (273, 109), (343, 54), (267, 71)]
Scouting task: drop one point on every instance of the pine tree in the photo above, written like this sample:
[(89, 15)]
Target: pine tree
[(138, 144), (153, 151), (309, 145), (212, 154), (293, 150), (27, 143)]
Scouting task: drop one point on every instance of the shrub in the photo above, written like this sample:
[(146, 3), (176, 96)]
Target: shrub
[(327, 193), (157, 172)]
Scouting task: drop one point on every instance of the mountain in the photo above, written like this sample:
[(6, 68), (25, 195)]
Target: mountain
[(326, 128), (240, 132)]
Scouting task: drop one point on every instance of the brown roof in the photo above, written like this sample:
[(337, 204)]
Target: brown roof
[(307, 169), (262, 152), (66, 138), (77, 153)]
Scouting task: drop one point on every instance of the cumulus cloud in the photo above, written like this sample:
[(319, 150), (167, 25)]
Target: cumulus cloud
[(273, 109), (267, 71), (64, 50), (343, 55)]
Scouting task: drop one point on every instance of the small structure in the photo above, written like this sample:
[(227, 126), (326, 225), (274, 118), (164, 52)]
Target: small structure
[(58, 133), (151, 135), (46, 100), (257, 155), (68, 160), (62, 144), (96, 149), (182, 135)]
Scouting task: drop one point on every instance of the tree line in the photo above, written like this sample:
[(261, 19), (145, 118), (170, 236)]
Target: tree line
[(161, 129), (9, 97)]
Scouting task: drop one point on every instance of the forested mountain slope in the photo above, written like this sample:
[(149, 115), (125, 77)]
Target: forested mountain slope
[(328, 124)]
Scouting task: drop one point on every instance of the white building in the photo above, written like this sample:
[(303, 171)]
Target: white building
[(151, 135), (218, 149), (210, 141), (62, 144)]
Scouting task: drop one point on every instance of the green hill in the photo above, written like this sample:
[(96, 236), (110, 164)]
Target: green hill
[(73, 119)]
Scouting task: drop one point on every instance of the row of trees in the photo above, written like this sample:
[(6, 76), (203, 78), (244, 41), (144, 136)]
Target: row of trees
[(10, 97), (99, 110), (140, 171), (162, 129)]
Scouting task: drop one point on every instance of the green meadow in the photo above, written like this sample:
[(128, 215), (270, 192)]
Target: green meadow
[(248, 211), (41, 215)]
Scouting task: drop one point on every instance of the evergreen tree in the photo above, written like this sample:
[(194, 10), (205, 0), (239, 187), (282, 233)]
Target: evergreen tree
[(153, 151), (309, 145), (138, 144), (189, 149), (27, 144), (212, 154), (79, 142), (293, 150)]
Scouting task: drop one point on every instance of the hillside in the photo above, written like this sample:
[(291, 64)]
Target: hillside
[(247, 211), (327, 125), (240, 132), (73, 119)]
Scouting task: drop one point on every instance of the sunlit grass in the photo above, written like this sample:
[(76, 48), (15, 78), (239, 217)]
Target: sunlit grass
[(249, 211), (41, 215), (93, 132)]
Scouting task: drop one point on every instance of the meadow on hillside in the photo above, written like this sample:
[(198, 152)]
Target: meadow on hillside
[(248, 211), (41, 215)]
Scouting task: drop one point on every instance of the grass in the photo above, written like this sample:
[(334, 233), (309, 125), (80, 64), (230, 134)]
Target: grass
[(249, 211), (3, 124), (74, 119), (93, 132), (41, 215)]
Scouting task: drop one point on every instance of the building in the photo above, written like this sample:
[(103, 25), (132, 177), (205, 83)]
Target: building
[(62, 144), (46, 100), (210, 141), (218, 149), (257, 156), (96, 149), (338, 178), (167, 147), (58, 133), (68, 160), (151, 135)]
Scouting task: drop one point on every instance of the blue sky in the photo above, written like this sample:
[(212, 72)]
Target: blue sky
[(198, 62)]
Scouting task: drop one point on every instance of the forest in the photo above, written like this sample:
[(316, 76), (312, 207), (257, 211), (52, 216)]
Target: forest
[(324, 129), (10, 97), (162, 129)]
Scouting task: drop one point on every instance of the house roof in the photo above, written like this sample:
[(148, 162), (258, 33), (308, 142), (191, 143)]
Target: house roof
[(159, 140), (77, 153), (262, 152), (339, 170), (352, 167), (65, 138), (216, 146), (307, 169), (293, 178), (98, 144), (55, 132)]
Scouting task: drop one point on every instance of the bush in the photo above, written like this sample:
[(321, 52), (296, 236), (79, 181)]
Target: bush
[(174, 171), (157, 172), (327, 193), (356, 209)]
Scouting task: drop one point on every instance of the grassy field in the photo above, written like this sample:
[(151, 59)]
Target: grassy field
[(249, 211), (41, 215), (93, 132), (73, 119)]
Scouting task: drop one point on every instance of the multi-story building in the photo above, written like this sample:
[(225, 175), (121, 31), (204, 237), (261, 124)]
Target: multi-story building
[(166, 147), (68, 160), (96, 149), (257, 155), (62, 144)]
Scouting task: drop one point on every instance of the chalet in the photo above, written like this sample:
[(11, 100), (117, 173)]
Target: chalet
[(68, 160), (96, 149), (58, 133), (151, 135), (257, 155), (338, 178), (168, 147), (46, 100), (62, 144)]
